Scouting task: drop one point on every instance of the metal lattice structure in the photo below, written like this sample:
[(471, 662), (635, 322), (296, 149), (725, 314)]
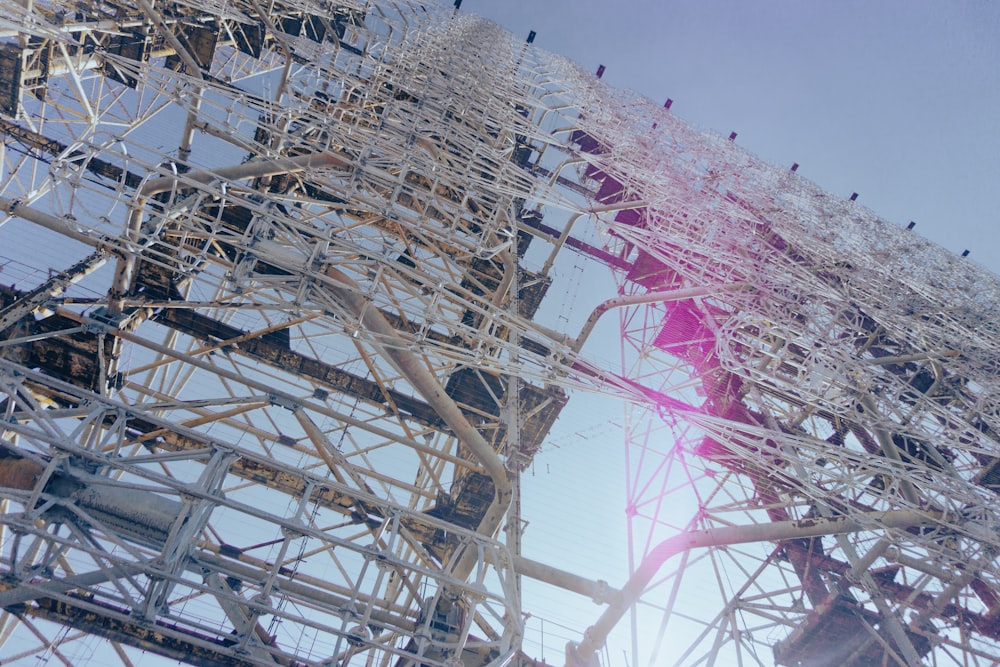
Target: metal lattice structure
[(823, 463), (277, 343)]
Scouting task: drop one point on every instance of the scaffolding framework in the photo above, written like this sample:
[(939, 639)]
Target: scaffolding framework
[(277, 343), (835, 368)]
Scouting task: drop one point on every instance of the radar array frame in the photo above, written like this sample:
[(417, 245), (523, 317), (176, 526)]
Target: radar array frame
[(276, 350)]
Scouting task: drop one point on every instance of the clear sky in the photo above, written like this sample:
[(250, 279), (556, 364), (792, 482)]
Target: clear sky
[(897, 100)]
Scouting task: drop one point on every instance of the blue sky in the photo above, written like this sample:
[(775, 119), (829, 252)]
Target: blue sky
[(896, 100)]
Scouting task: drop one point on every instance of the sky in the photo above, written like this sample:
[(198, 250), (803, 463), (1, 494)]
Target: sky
[(897, 100)]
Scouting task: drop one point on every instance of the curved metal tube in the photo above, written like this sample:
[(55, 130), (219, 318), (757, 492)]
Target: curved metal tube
[(649, 297), (582, 654), (418, 375), (393, 345), (155, 186), (599, 591)]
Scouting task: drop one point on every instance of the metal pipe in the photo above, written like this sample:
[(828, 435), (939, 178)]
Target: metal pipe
[(155, 186), (919, 356), (649, 297), (599, 591), (18, 209), (558, 244), (187, 135), (862, 564), (284, 397), (505, 252), (142, 517), (509, 271), (582, 654), (252, 169), (619, 206), (394, 347), (423, 381), (894, 555), (891, 452), (334, 458), (182, 51), (125, 247)]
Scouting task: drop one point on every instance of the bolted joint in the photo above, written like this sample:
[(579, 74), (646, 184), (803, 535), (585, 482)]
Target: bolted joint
[(283, 402)]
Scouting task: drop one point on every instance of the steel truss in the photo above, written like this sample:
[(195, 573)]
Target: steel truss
[(275, 352), (257, 387), (834, 368)]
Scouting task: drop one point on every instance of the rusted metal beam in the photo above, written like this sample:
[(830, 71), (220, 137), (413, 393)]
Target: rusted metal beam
[(111, 624), (95, 165), (278, 355), (54, 286)]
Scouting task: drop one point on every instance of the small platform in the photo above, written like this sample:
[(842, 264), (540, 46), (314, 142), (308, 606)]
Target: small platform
[(842, 633)]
